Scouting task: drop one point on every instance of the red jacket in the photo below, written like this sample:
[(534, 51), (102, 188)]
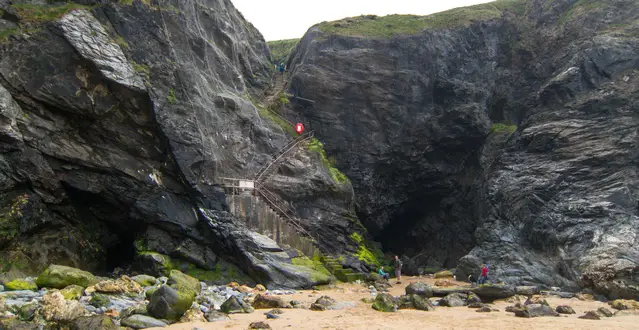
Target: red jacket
[(484, 271)]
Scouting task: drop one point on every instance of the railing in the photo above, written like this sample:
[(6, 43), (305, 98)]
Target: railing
[(283, 210), (280, 153)]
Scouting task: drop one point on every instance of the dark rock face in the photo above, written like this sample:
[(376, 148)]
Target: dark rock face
[(408, 119), (119, 129)]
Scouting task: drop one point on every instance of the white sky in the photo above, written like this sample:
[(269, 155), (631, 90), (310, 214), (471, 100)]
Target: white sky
[(287, 19)]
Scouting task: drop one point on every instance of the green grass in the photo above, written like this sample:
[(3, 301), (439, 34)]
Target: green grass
[(391, 25), (580, 8), (317, 146), (503, 128), (281, 49), (44, 13), (9, 217), (366, 253), (283, 124), (171, 97)]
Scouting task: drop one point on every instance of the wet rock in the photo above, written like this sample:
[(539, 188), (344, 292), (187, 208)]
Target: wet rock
[(214, 316), (453, 300), (323, 303), (20, 284), (264, 301), (144, 280), (140, 309), (122, 285), (235, 305), (591, 315), (527, 290), (624, 304), (605, 312), (193, 315), (72, 292), (167, 303), (59, 277), (27, 312), (97, 322), (564, 309), (534, 310), (142, 322), (444, 274), (56, 309), (259, 325), (419, 288), (384, 302), (492, 292)]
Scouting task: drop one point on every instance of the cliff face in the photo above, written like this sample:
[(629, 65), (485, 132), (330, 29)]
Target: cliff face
[(503, 133), (118, 121)]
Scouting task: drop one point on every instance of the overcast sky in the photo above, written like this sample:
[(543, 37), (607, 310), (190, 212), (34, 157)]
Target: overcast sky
[(287, 19)]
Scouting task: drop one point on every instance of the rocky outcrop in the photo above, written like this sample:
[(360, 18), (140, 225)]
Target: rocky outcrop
[(114, 137), (504, 134)]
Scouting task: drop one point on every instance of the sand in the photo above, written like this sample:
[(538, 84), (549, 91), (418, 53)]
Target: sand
[(362, 316)]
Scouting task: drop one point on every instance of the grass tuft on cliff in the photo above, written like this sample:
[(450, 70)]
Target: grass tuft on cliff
[(282, 49), (44, 13), (504, 128), (391, 25), (317, 146)]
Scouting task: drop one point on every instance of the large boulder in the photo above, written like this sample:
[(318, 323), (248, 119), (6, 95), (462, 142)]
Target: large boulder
[(526, 290), (97, 322), (323, 303), (20, 284), (214, 316), (59, 277), (419, 288), (384, 302), (184, 283), (535, 310), (142, 322), (122, 285), (453, 300), (265, 301), (167, 303), (144, 280), (624, 304), (415, 301), (235, 305), (492, 292), (564, 309), (56, 309), (444, 291)]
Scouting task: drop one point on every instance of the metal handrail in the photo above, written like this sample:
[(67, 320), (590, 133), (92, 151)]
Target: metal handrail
[(288, 147)]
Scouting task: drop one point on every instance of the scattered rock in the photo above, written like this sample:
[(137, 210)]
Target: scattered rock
[(20, 284), (476, 305), (627, 312), (260, 288), (193, 315), (527, 290), (100, 300), (243, 289), (444, 283), (472, 298), (564, 309), (420, 288), (26, 312), (384, 302), (624, 304), (444, 274), (416, 302), (276, 311), (453, 300), (56, 309), (486, 309), (368, 300), (603, 311), (536, 300), (142, 322), (591, 315), (121, 285), (585, 296), (15, 324), (59, 277), (137, 309), (72, 292), (534, 310), (144, 280), (263, 301), (96, 322), (271, 316), (259, 325), (214, 316), (492, 292), (444, 291), (167, 303), (235, 305), (323, 303)]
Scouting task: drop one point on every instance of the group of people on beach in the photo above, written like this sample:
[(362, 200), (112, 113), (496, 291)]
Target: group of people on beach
[(398, 273)]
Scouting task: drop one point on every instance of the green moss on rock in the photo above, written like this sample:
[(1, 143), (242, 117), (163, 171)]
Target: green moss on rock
[(100, 300), (72, 292), (20, 284), (183, 283), (144, 280), (366, 252), (314, 268), (59, 277), (316, 146)]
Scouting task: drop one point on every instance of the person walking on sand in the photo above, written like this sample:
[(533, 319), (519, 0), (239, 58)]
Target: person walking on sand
[(484, 274), (398, 270)]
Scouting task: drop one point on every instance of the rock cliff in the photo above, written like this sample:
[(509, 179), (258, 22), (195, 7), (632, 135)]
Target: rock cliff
[(118, 119), (503, 133)]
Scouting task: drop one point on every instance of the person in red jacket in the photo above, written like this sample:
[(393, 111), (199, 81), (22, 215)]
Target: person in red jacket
[(484, 274)]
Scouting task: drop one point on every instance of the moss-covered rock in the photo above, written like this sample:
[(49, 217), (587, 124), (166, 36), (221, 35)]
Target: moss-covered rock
[(59, 277), (144, 280), (96, 322), (235, 305), (384, 302), (170, 304), (444, 274), (150, 291), (318, 273), (100, 300), (184, 283), (72, 292), (26, 312), (20, 284)]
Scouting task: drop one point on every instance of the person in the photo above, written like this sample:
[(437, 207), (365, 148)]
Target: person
[(484, 274), (384, 274), (398, 269)]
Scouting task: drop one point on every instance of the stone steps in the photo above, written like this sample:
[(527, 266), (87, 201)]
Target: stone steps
[(341, 273)]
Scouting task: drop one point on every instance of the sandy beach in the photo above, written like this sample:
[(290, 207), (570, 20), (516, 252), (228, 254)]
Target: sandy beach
[(362, 316)]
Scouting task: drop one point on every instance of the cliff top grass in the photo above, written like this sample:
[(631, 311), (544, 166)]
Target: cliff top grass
[(281, 49), (388, 26)]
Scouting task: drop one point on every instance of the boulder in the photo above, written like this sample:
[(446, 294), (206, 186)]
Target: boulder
[(214, 316), (419, 288), (275, 311), (323, 303), (260, 288), (142, 322), (453, 300), (605, 312), (444, 283), (384, 302), (536, 300), (492, 292), (627, 312), (486, 309), (56, 309), (59, 277), (122, 285), (99, 300), (415, 301), (444, 291), (259, 325), (235, 305), (585, 296), (475, 304), (473, 298), (184, 283), (194, 314), (624, 304), (144, 280), (15, 324), (527, 290), (591, 315), (167, 303), (3, 305), (534, 310), (20, 284), (27, 311), (72, 292), (444, 274), (564, 309), (96, 322), (265, 301), (140, 309)]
